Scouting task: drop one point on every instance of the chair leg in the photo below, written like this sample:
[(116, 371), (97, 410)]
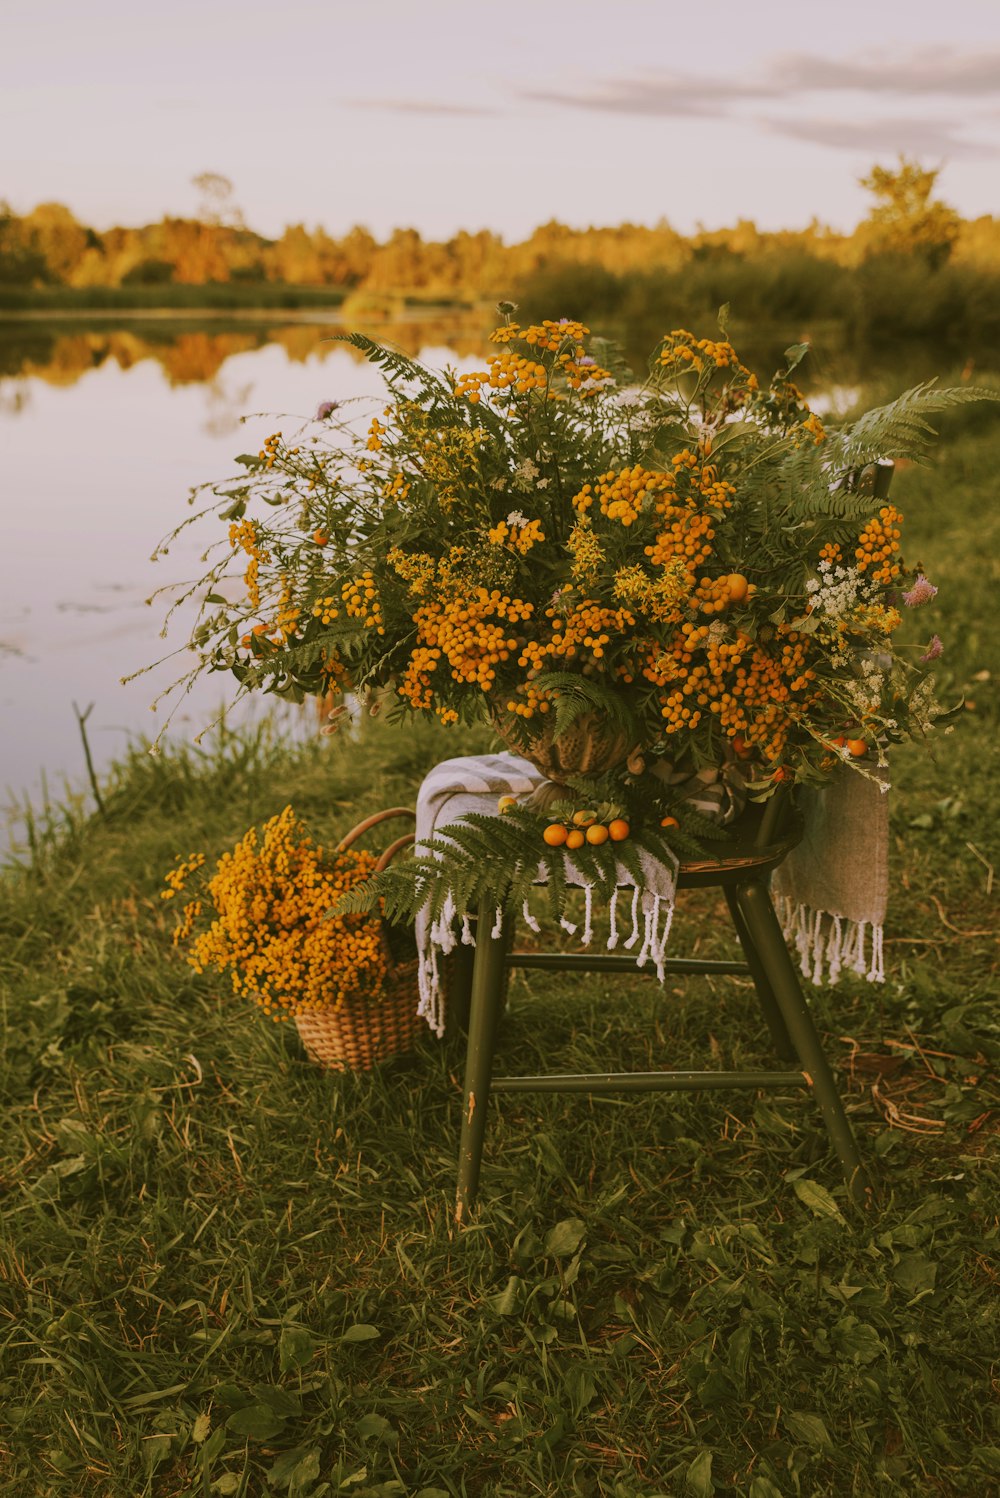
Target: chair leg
[(780, 1038), (754, 903), (486, 1004), (458, 968)]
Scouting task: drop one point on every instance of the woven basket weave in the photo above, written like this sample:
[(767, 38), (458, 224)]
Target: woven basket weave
[(590, 746), (364, 1031)]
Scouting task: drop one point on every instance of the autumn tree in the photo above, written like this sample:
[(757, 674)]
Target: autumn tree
[(905, 219)]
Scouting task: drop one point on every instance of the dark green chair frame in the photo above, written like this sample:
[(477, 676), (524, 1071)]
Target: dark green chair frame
[(742, 871)]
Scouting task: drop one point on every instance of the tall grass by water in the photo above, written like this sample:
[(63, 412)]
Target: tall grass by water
[(225, 1272)]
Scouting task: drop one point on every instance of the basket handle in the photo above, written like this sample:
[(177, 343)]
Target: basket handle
[(373, 821), (386, 858)]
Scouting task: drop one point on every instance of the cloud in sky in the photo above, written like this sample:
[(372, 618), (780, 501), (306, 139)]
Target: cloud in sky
[(948, 74), (912, 137)]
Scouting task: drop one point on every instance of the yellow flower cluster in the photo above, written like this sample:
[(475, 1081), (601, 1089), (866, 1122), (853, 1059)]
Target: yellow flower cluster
[(814, 427), (519, 537), (681, 350), (396, 489), (582, 374), (271, 929), (416, 568), (268, 454), (624, 494), (689, 535), (658, 597), (755, 693), (877, 617), (506, 371), (587, 553), (361, 601), (878, 543), (326, 610), (246, 535), (469, 633)]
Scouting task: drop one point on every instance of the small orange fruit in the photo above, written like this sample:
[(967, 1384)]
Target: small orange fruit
[(618, 830), (555, 834), (741, 748), (575, 839), (320, 537), (597, 834), (505, 803), (857, 747), (584, 818), (669, 822), (738, 587)]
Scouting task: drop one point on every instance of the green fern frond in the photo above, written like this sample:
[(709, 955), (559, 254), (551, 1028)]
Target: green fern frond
[(397, 367), (901, 429), (574, 696)]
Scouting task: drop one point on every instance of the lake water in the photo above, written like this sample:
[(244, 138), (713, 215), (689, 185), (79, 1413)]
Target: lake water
[(102, 435), (104, 429)]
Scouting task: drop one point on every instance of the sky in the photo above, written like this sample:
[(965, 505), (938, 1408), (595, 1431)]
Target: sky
[(454, 114)]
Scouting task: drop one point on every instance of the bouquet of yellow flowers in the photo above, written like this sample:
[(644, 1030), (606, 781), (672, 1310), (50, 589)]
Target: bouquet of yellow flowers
[(683, 568), (263, 917)]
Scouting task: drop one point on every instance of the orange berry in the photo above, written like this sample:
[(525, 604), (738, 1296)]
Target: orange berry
[(320, 537), (669, 822), (737, 585), (575, 839), (857, 747), (584, 818), (555, 835), (597, 834), (618, 830)]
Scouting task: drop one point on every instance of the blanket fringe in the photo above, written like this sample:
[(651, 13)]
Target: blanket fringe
[(828, 943)]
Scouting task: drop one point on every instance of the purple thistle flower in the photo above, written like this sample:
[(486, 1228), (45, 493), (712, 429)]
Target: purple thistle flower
[(921, 592), (934, 649), (325, 409)]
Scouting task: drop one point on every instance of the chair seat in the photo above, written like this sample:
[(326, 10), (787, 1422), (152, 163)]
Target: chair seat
[(740, 855)]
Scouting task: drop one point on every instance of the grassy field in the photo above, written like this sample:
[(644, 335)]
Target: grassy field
[(223, 1271)]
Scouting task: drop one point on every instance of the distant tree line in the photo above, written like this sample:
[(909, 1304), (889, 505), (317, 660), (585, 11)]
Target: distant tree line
[(913, 266)]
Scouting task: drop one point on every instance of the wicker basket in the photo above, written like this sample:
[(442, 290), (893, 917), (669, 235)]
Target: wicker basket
[(361, 1032), (590, 746)]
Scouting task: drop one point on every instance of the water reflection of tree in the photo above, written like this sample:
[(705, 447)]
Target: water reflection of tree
[(197, 355)]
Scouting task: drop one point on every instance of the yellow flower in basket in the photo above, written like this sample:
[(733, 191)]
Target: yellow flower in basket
[(263, 917)]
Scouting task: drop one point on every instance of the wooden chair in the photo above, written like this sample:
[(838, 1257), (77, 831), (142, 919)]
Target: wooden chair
[(740, 869)]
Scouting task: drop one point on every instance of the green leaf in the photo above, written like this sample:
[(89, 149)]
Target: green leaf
[(201, 1428), (565, 1238), (258, 1421), (294, 1464), (856, 1340), (819, 1201), (808, 1430), (375, 1427), (361, 1331), (914, 1274), (698, 1478), (506, 1302), (763, 1487), (295, 1348)]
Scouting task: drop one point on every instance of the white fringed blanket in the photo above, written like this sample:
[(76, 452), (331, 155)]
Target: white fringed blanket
[(636, 917), (830, 892)]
